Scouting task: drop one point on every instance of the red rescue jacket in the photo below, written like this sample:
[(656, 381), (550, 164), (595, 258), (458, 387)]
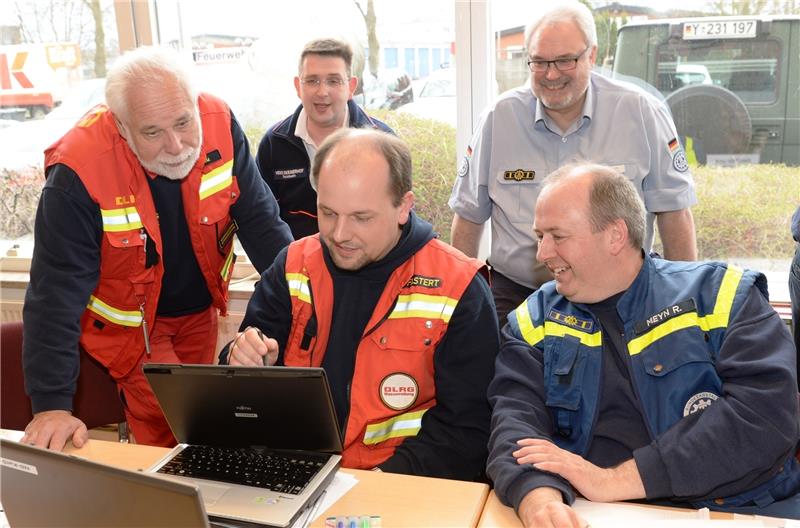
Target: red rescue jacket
[(393, 380), (128, 289)]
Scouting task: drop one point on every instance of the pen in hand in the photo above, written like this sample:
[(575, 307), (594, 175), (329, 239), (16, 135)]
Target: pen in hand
[(264, 359)]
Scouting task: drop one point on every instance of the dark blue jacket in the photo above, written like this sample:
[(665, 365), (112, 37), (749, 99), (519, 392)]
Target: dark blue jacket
[(712, 368), (283, 162)]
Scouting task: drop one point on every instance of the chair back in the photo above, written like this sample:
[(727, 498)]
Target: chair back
[(96, 400)]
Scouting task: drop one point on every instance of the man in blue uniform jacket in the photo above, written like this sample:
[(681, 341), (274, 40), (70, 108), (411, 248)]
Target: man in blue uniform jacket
[(637, 378), (325, 85)]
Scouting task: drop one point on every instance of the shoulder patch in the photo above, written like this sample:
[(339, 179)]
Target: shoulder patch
[(699, 402), (463, 169), (679, 161), (584, 325)]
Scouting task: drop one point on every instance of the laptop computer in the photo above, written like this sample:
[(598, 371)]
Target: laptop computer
[(46, 488), (262, 443)]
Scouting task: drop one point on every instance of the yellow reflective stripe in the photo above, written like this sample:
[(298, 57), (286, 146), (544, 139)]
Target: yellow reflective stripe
[(123, 219), (298, 286), (530, 333), (727, 291), (115, 315), (671, 325), (226, 268), (407, 424), (216, 180), (718, 319), (422, 305)]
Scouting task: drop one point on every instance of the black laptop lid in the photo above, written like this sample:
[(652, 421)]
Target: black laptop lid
[(273, 407), (46, 488)]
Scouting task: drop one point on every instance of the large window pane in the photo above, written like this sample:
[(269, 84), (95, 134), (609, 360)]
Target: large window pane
[(414, 40), (734, 101), (53, 59)]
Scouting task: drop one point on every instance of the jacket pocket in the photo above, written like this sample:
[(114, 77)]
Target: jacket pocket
[(115, 346), (520, 192), (127, 251), (565, 363)]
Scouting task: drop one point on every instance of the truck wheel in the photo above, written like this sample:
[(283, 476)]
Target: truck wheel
[(38, 112), (714, 117)]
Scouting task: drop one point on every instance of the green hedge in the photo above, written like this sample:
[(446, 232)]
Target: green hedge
[(745, 211), (742, 212)]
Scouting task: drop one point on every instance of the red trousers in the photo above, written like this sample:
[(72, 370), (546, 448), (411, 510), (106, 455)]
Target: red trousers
[(186, 339)]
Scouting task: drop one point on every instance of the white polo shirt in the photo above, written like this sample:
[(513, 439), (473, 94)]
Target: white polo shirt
[(301, 131), (516, 145)]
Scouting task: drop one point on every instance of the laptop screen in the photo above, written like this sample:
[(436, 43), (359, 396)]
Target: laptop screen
[(272, 407), (46, 488)]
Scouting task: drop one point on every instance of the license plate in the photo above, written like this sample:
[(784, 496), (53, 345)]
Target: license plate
[(716, 29)]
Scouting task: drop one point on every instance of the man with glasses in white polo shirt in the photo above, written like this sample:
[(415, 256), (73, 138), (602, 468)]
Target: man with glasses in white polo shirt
[(325, 86), (566, 114)]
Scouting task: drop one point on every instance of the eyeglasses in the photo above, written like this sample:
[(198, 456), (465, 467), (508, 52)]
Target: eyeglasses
[(332, 83), (562, 64)]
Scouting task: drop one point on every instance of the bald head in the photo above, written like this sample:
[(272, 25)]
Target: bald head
[(607, 195), (355, 142)]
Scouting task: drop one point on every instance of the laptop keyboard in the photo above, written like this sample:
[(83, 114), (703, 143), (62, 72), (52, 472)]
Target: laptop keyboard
[(284, 472)]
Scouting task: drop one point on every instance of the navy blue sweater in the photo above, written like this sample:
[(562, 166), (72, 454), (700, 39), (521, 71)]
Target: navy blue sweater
[(283, 163)]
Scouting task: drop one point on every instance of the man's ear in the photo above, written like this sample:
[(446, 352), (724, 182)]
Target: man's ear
[(406, 204), (123, 131), (618, 235), (352, 84), (297, 87)]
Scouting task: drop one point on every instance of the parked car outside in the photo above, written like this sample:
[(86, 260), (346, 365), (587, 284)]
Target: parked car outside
[(730, 82), (436, 99), (391, 89)]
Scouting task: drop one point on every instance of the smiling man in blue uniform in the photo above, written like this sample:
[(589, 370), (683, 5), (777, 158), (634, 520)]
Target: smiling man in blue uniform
[(629, 377)]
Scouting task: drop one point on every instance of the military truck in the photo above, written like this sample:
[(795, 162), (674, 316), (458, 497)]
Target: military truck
[(731, 83)]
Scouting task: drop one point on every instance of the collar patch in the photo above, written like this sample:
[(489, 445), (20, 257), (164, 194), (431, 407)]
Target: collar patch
[(519, 175), (213, 156), (664, 315), (584, 325)]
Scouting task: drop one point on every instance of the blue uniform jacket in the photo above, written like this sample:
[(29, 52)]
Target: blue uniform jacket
[(283, 162), (712, 390)]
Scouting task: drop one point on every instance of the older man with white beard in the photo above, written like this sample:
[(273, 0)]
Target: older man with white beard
[(134, 242)]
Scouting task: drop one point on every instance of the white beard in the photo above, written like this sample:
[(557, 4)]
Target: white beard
[(165, 165)]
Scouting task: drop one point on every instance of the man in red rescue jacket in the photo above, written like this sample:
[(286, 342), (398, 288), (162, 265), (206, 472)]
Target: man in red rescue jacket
[(402, 323), (134, 242)]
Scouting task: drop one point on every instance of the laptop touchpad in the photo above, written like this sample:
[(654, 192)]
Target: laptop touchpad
[(211, 493)]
